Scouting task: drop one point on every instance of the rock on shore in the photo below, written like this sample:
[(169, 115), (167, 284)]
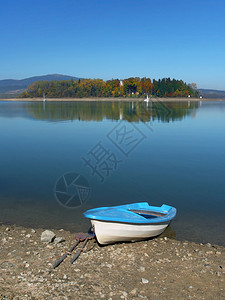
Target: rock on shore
[(47, 236), (160, 268)]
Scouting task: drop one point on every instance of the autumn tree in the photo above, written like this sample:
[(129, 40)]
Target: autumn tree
[(133, 86)]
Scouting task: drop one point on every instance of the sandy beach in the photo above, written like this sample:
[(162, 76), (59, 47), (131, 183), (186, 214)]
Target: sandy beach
[(160, 268), (111, 99)]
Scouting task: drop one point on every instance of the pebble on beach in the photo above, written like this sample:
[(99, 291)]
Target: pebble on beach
[(58, 240)]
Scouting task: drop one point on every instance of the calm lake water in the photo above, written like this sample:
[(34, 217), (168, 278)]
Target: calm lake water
[(113, 153)]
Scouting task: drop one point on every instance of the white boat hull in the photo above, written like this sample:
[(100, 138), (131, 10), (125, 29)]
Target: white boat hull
[(112, 232)]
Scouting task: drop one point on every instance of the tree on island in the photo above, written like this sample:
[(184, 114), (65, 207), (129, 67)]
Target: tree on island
[(130, 87)]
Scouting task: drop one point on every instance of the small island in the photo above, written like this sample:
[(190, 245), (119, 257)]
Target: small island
[(133, 87)]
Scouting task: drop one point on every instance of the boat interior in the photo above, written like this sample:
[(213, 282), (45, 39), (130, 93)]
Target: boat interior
[(147, 213)]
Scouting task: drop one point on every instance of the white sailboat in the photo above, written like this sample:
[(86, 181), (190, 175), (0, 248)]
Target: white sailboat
[(147, 99), (44, 99)]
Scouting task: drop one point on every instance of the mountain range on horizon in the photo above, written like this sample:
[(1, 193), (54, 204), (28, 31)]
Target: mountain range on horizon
[(12, 88)]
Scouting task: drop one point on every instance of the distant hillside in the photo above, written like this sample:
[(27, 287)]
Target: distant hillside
[(11, 88), (211, 93)]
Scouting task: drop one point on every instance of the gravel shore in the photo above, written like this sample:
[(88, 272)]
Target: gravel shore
[(113, 99), (160, 268)]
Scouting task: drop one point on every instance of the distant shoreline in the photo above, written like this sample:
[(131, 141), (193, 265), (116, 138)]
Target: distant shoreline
[(111, 99)]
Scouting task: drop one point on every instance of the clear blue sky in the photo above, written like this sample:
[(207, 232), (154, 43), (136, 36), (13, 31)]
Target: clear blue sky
[(114, 39)]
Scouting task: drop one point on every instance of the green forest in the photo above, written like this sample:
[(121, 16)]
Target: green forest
[(131, 87)]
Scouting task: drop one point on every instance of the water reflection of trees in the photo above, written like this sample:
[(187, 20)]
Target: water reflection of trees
[(97, 111)]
